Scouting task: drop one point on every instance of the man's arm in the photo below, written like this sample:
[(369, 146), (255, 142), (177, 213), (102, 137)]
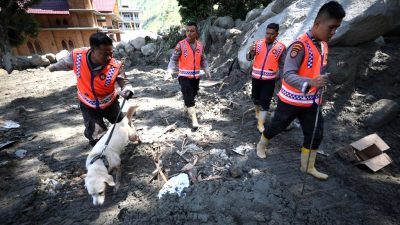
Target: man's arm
[(174, 58), (292, 63), (251, 53), (65, 64), (282, 62), (123, 85)]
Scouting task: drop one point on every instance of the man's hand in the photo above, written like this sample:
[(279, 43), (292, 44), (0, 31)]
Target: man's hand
[(319, 81), (253, 48), (168, 75), (208, 74), (127, 92)]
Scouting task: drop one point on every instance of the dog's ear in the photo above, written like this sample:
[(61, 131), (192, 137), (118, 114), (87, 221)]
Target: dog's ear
[(130, 113), (110, 180)]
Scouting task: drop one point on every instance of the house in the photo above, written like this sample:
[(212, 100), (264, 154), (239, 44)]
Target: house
[(68, 24), (131, 16)]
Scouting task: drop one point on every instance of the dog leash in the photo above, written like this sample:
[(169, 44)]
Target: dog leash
[(101, 155)]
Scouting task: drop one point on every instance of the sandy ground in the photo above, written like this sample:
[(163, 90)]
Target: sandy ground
[(47, 186)]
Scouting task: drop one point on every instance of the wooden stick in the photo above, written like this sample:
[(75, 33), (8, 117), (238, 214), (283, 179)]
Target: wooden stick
[(168, 128)]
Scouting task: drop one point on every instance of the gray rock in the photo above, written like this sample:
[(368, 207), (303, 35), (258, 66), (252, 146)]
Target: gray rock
[(225, 22), (37, 60), (279, 5), (122, 53), (129, 48), (21, 62), (127, 63), (238, 23), (3, 72), (51, 57), (217, 34), (252, 14), (138, 42), (232, 33), (121, 45), (149, 49), (228, 46), (381, 113), (62, 54)]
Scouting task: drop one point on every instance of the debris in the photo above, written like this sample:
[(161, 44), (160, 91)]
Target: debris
[(9, 124), (6, 144), (168, 128), (175, 185), (221, 153), (322, 152), (4, 163), (368, 151), (51, 185), (193, 148), (254, 172), (210, 83), (242, 149), (235, 171), (20, 153), (191, 170)]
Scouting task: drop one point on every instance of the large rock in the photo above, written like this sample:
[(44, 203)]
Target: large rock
[(149, 49), (238, 23), (37, 60), (62, 54), (3, 72), (381, 113), (225, 22), (51, 57), (217, 34), (252, 14), (121, 45), (138, 42), (279, 5), (21, 63), (129, 48), (364, 21)]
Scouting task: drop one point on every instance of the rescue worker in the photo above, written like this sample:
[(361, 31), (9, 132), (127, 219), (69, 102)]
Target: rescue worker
[(303, 77), (269, 57), (100, 80), (190, 54)]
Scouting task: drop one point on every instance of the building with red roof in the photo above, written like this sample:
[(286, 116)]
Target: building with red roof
[(68, 24)]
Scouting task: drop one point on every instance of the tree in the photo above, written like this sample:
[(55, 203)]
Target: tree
[(15, 25), (196, 10)]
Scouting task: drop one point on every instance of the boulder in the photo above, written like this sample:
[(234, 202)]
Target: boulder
[(381, 113), (217, 34), (364, 21), (21, 62), (232, 33), (62, 54), (252, 14), (3, 72), (121, 45), (238, 23), (228, 46), (138, 42), (37, 60), (279, 5), (51, 57), (225, 22), (149, 49), (122, 53), (129, 48)]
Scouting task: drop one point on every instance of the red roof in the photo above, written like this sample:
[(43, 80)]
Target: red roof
[(104, 5), (59, 7)]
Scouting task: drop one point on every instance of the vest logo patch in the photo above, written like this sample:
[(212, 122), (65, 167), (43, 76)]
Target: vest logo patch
[(102, 76)]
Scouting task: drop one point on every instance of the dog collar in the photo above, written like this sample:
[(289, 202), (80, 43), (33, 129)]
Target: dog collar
[(102, 157)]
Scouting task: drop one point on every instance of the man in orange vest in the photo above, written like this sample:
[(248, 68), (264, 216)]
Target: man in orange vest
[(100, 80), (303, 77), (269, 56), (190, 54)]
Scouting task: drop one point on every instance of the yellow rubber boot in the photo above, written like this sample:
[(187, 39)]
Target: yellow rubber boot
[(310, 155), (257, 110), (262, 150), (261, 120), (192, 116)]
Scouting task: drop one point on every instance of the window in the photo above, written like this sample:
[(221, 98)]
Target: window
[(71, 45), (30, 47), (136, 15), (38, 47), (65, 22), (137, 25), (64, 45), (58, 22)]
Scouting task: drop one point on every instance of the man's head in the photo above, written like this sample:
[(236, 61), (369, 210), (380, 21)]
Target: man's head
[(271, 32), (191, 31), (328, 19), (102, 49)]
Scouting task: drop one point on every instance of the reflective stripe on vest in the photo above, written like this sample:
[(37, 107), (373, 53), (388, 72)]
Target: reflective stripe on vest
[(266, 61), (98, 91), (190, 60), (311, 67)]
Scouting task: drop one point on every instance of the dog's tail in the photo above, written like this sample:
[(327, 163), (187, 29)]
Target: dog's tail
[(131, 112)]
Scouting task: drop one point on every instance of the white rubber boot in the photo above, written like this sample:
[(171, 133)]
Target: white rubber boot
[(261, 120), (262, 150), (192, 116), (257, 109), (311, 156)]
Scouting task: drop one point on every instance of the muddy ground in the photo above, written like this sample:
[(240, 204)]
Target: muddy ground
[(47, 186)]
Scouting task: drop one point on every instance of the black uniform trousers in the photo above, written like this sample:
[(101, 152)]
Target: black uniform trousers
[(262, 92), (286, 113), (189, 88), (94, 120)]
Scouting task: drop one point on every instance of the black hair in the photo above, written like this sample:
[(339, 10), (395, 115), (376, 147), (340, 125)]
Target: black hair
[(191, 23), (99, 38), (274, 26), (332, 10)]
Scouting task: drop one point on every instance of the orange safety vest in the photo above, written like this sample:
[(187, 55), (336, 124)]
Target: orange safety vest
[(311, 67), (266, 61), (98, 91), (190, 61)]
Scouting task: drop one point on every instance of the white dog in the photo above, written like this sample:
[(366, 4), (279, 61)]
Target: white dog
[(97, 172)]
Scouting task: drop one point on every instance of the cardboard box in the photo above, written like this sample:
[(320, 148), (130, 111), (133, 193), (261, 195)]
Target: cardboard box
[(369, 151)]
